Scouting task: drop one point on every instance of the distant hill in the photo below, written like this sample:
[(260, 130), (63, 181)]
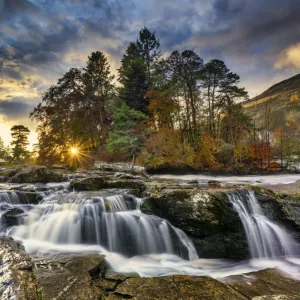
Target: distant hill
[(275, 103)]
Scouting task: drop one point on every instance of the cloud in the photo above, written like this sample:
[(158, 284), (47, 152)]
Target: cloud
[(289, 58), (41, 39), (15, 109)]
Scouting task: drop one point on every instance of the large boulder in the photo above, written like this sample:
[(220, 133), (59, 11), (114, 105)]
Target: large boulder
[(119, 167), (206, 216), (36, 175), (10, 217), (116, 285), (174, 288), (96, 183), (265, 284), (7, 173), (67, 276), (17, 280)]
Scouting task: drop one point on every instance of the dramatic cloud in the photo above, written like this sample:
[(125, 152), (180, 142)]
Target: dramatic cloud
[(15, 109), (290, 57), (42, 39)]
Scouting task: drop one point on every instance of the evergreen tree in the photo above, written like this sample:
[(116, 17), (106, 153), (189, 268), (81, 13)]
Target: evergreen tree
[(147, 45), (127, 134), (20, 142), (137, 67), (4, 151), (133, 77)]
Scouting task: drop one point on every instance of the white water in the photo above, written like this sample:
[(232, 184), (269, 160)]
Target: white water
[(114, 226), (250, 179), (265, 238), (113, 222)]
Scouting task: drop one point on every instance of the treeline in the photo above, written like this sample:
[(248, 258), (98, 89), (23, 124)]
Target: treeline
[(173, 111)]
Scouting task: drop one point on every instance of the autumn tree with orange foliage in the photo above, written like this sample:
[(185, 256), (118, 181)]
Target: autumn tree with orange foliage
[(164, 149)]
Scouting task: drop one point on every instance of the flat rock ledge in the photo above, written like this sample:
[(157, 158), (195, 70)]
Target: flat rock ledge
[(89, 277)]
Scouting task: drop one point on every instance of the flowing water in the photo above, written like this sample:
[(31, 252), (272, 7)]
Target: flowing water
[(111, 223), (266, 180), (265, 238)]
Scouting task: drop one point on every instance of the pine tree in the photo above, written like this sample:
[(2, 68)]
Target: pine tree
[(127, 134), (20, 142), (4, 151), (133, 77)]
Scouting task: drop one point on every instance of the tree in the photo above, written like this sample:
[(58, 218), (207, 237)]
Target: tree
[(4, 151), (137, 68), (221, 89), (128, 132), (20, 142), (235, 124), (164, 149), (162, 108), (185, 69), (133, 77), (76, 109), (147, 45)]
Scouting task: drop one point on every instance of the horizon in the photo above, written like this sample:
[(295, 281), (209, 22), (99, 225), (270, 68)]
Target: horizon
[(41, 40)]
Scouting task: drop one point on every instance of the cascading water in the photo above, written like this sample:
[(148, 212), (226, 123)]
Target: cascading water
[(13, 198), (12, 205), (113, 222), (265, 238)]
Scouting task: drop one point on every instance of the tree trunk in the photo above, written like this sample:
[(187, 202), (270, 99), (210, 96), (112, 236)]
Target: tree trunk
[(133, 160)]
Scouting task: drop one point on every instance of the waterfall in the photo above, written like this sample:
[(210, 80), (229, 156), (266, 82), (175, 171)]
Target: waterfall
[(265, 238), (114, 222), (12, 206), (13, 198)]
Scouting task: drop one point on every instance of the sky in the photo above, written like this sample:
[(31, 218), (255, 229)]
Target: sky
[(41, 39)]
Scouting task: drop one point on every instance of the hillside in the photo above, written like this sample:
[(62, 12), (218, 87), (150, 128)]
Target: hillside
[(275, 103)]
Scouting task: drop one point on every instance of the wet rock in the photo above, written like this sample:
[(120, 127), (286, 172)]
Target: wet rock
[(7, 173), (17, 280), (206, 216), (10, 217), (214, 183), (120, 167), (89, 183), (108, 280), (127, 176), (67, 277), (276, 297), (36, 174), (94, 183), (265, 284), (175, 288)]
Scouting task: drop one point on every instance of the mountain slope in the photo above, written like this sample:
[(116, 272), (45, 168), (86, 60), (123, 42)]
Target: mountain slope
[(275, 104)]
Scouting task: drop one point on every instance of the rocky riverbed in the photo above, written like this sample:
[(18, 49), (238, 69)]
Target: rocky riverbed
[(38, 264)]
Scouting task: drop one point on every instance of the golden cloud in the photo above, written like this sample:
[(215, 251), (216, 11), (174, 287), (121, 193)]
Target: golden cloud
[(290, 57)]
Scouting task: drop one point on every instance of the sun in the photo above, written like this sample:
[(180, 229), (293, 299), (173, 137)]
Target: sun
[(74, 151)]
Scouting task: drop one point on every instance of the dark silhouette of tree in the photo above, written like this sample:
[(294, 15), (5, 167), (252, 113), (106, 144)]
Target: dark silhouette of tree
[(76, 109)]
